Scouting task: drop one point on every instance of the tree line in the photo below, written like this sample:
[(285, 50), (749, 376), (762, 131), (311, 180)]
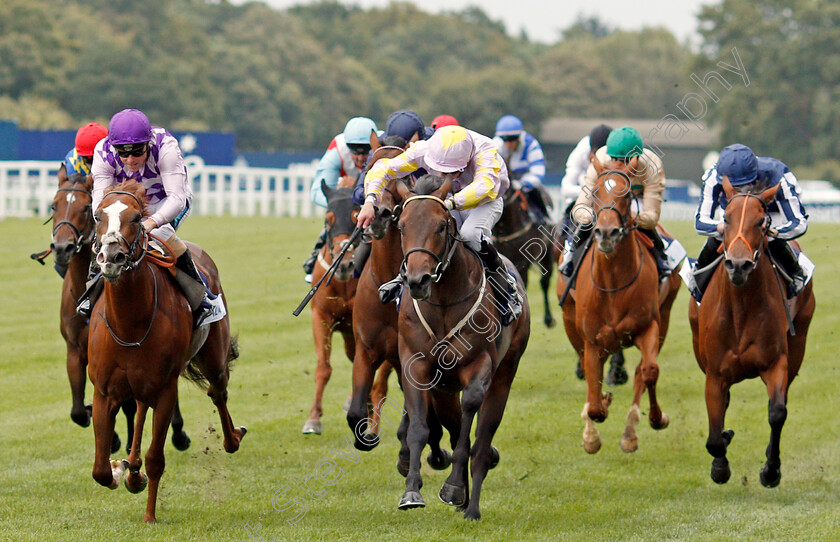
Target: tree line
[(290, 79)]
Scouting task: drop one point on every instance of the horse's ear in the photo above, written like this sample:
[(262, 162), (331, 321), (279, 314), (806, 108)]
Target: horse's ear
[(326, 189), (374, 140), (62, 174), (599, 167), (770, 194), (89, 183), (445, 188), (728, 189), (403, 190)]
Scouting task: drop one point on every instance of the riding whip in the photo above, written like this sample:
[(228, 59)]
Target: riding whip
[(330, 272)]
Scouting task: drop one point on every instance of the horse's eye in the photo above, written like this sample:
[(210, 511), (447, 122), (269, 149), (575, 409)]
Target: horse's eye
[(441, 227), (137, 219), (52, 207)]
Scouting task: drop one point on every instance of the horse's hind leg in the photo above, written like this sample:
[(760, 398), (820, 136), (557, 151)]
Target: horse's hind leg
[(379, 391), (717, 400), (444, 411), (155, 460), (545, 284), (180, 439), (105, 472), (213, 360), (322, 329), (77, 373), (777, 385), (129, 408)]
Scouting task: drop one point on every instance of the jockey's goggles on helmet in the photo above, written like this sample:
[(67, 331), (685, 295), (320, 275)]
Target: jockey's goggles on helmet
[(359, 148), (510, 138), (131, 149)]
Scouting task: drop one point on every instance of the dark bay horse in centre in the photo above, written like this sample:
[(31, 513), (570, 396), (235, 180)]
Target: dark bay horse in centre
[(451, 340), (142, 338), (517, 235), (746, 328), (71, 240), (618, 302)]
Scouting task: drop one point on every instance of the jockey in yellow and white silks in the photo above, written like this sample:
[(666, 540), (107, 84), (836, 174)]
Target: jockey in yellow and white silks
[(479, 178)]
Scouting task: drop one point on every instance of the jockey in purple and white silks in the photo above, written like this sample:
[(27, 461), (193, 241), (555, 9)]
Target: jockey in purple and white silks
[(479, 179), (134, 150)]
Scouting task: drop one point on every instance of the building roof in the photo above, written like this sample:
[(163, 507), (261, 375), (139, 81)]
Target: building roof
[(669, 131)]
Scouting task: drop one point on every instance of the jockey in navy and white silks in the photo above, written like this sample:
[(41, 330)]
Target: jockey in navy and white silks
[(747, 172), (525, 160)]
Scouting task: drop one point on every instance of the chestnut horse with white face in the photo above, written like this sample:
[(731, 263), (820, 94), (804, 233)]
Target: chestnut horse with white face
[(745, 328), (142, 338)]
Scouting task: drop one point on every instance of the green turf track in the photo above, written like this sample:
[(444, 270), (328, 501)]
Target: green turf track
[(545, 488)]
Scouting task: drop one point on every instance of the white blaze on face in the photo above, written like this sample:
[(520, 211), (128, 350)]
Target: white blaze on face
[(113, 235), (610, 185), (70, 197)]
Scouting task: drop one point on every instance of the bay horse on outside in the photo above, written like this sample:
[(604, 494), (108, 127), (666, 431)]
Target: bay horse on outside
[(450, 339), (332, 305), (72, 236), (618, 302), (141, 339), (742, 329), (375, 331), (516, 236)]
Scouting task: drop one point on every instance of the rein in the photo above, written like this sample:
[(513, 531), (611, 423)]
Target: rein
[(740, 235), (448, 250), (151, 324), (638, 272)]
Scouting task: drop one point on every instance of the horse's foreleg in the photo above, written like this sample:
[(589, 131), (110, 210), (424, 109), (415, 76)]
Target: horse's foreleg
[(322, 328), (129, 408), (379, 391), (155, 460), (455, 490), (357, 415), (717, 399), (777, 384), (77, 373), (648, 344), (416, 406), (105, 472), (545, 284), (136, 480)]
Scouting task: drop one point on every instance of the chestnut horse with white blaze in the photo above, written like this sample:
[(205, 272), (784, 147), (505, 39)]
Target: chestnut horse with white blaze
[(618, 302), (142, 339), (745, 328)]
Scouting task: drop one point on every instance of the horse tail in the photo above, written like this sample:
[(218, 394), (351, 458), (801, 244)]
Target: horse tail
[(233, 352), (194, 374)]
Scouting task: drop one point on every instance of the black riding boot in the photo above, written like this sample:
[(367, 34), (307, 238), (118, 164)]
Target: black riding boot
[(784, 255), (92, 291), (658, 252), (538, 206), (186, 264), (503, 284), (705, 266), (360, 257), (309, 264)]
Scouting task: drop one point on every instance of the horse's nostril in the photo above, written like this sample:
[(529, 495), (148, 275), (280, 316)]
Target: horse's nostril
[(119, 258)]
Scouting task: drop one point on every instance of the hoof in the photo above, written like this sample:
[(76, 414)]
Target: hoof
[(452, 495), (664, 420), (411, 499), (494, 460), (592, 447), (770, 477), (364, 446), (471, 514), (181, 440), (136, 482), (118, 468), (720, 470), (116, 443), (82, 418), (629, 444), (402, 467), (549, 322), (579, 371), (312, 427), (437, 462)]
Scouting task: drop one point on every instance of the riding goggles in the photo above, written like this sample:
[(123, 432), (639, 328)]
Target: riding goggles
[(124, 151), (359, 148)]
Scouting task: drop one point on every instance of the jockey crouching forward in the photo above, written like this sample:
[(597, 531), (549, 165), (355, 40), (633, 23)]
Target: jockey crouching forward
[(748, 173), (625, 151), (479, 179), (134, 150)]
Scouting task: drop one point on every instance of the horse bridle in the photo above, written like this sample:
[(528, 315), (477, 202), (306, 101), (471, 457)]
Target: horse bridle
[(445, 257), (130, 249), (740, 236), (80, 237), (625, 218)]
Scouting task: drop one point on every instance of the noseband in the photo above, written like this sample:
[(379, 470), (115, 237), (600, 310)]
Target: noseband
[(140, 241), (625, 218), (81, 237), (448, 250), (740, 236)]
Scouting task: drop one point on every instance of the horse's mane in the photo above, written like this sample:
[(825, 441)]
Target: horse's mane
[(133, 187), (427, 184), (77, 178), (393, 141)]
